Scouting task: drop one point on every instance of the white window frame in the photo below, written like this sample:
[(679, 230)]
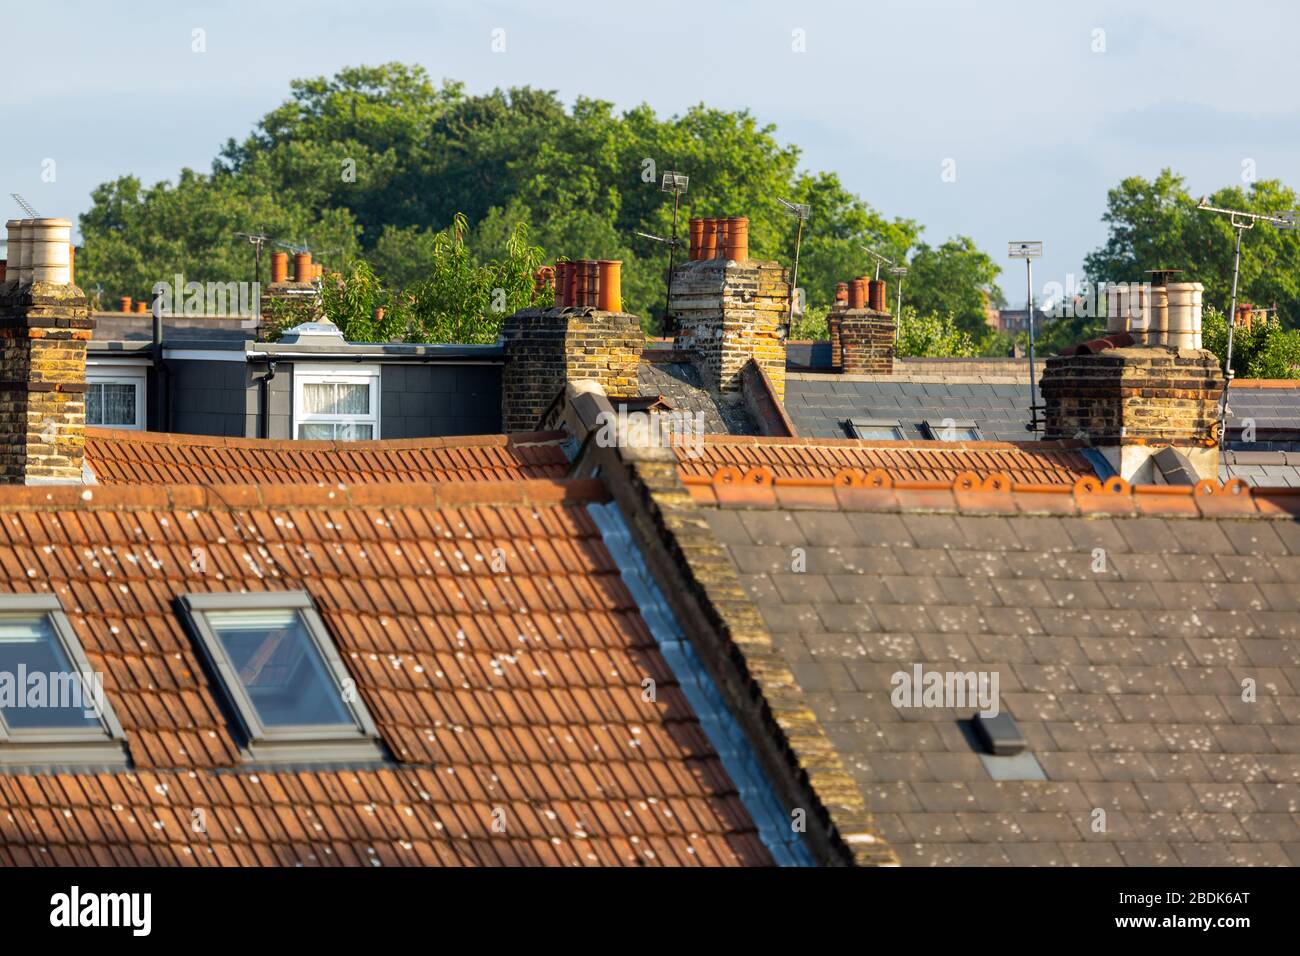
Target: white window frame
[(103, 744), (312, 374), (110, 375), (359, 740), (934, 427), (858, 427)]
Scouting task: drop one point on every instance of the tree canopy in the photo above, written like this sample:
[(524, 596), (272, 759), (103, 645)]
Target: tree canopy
[(1154, 224), (377, 162)]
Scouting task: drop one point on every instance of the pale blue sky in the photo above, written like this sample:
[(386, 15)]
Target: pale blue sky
[(1039, 125)]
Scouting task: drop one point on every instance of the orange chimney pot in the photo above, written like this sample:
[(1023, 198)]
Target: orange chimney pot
[(857, 294), (876, 297), (737, 246), (708, 239), (697, 237), (279, 267), (124, 304), (610, 285)]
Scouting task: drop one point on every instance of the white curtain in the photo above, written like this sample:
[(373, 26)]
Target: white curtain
[(336, 398)]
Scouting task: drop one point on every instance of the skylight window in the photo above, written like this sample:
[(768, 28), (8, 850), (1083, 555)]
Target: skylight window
[(879, 429), (282, 676), (52, 705), (949, 429)]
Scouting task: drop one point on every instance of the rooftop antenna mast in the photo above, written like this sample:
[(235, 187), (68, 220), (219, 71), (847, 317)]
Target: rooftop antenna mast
[(26, 207), (258, 240), (899, 271), (879, 260), (675, 183), (1240, 220), (799, 211), (1029, 251)]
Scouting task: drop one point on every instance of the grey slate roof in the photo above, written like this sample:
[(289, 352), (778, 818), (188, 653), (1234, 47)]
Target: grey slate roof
[(679, 383), (1274, 411), (1126, 683), (1278, 469), (820, 404)]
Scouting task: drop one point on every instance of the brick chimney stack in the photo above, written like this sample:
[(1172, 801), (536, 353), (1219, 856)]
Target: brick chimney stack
[(1133, 401), (591, 339), (45, 324), (861, 331), (730, 308)]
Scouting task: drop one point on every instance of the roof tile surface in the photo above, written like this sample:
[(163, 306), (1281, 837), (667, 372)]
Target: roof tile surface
[(1125, 674), (1024, 462), (121, 456), (516, 691)]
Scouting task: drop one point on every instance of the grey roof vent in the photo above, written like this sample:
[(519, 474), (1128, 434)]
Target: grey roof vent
[(999, 735), (324, 332)]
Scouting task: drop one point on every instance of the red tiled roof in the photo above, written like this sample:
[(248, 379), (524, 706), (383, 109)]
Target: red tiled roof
[(519, 690), (120, 456), (1041, 462)]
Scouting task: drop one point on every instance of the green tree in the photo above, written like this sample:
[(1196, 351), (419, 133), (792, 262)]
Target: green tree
[(955, 279), (1264, 350), (931, 335), (463, 300), (1155, 224), (376, 161)]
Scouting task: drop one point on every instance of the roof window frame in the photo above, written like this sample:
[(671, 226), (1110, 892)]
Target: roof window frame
[(294, 743), (59, 747)]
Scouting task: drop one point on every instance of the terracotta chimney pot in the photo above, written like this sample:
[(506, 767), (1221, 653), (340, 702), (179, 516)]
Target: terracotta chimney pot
[(279, 267), (720, 247), (708, 239), (302, 267), (571, 285), (579, 283), (841, 292), (876, 295), (561, 284), (697, 237), (124, 304), (857, 294), (738, 238), (611, 285), (141, 308)]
